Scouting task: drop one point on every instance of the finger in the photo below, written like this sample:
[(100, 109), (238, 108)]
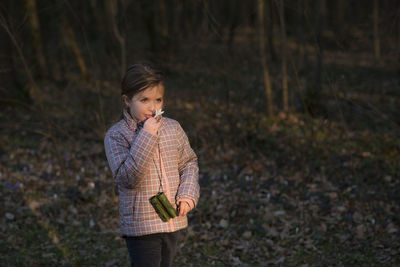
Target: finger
[(186, 208), (182, 209), (152, 121)]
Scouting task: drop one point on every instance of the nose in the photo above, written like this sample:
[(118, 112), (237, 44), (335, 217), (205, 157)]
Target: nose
[(151, 106)]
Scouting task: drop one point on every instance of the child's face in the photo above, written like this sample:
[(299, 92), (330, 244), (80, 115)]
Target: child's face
[(144, 104)]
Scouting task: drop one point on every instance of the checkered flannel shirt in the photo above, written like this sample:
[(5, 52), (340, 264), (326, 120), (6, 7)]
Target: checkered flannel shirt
[(132, 155)]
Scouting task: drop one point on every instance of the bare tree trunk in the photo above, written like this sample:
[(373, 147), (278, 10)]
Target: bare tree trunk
[(234, 17), (165, 41), (112, 12), (36, 36), (175, 27), (285, 95), (377, 46), (148, 19), (341, 8), (8, 88), (398, 50), (164, 18), (186, 18), (72, 43), (313, 93), (267, 79), (177, 20), (205, 24), (339, 20), (34, 93), (302, 55), (320, 26), (270, 30), (398, 40)]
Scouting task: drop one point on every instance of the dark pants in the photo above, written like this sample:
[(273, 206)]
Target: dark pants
[(154, 249)]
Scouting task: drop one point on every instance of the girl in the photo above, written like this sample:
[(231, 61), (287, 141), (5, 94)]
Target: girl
[(147, 155)]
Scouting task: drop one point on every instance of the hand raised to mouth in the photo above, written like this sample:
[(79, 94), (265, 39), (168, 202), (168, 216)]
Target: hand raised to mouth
[(153, 123)]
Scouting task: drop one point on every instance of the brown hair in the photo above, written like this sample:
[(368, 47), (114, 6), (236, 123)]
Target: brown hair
[(139, 77)]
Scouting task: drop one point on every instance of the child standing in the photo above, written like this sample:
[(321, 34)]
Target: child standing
[(147, 155)]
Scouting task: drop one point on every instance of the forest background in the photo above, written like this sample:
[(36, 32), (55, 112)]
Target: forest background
[(291, 106)]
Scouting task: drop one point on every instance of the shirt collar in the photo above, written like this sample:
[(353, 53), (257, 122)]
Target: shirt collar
[(133, 122)]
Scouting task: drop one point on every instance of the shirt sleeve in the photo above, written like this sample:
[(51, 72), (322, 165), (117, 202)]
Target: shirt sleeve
[(128, 160), (189, 187)]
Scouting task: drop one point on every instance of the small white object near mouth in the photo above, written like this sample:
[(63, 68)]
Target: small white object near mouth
[(158, 112)]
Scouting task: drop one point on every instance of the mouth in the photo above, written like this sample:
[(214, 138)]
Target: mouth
[(148, 116)]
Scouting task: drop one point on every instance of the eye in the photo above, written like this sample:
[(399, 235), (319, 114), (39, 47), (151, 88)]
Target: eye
[(143, 100), (159, 100)]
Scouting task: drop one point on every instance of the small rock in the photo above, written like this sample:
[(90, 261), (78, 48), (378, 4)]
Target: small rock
[(49, 168), (391, 228), (224, 242), (112, 262), (91, 223), (236, 261), (332, 195), (190, 231), (341, 208), (76, 223), (10, 216), (269, 242), (280, 260), (72, 209), (279, 212), (366, 154), (360, 230), (323, 227), (247, 234), (357, 217), (223, 223), (273, 232), (34, 204), (55, 239)]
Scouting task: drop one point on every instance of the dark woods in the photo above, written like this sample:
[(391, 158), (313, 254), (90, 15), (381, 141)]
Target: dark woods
[(291, 106), (287, 41)]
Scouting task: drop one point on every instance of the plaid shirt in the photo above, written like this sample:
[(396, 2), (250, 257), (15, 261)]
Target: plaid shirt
[(134, 158)]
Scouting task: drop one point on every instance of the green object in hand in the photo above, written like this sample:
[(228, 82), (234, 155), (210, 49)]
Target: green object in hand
[(163, 207), (161, 211), (167, 205)]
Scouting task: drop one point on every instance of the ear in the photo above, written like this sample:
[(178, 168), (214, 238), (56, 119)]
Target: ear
[(126, 100)]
